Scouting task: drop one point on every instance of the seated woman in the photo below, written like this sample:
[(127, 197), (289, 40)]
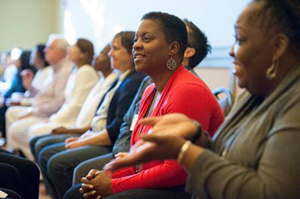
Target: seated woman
[(57, 163), (160, 43), (80, 82), (255, 153), (196, 51)]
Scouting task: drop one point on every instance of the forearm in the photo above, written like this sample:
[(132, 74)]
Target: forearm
[(100, 138), (78, 130), (165, 175), (190, 156)]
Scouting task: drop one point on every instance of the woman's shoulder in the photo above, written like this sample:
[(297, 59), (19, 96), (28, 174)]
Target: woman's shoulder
[(191, 84), (186, 78), (87, 70)]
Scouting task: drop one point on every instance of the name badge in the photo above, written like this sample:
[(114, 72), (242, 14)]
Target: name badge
[(134, 121)]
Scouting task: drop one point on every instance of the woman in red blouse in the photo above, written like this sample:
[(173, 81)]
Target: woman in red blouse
[(158, 50)]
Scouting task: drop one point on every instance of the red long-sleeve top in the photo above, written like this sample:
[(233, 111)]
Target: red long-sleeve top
[(184, 93)]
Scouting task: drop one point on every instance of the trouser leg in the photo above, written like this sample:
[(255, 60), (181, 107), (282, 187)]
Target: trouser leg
[(95, 163)]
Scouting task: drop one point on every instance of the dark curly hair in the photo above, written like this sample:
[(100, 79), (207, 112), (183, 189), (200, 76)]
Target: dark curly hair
[(173, 28)]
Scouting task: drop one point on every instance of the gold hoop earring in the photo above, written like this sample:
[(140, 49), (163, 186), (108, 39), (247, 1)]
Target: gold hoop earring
[(272, 70), (171, 63)]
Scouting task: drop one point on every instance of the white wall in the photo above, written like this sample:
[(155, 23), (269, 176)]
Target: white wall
[(99, 20)]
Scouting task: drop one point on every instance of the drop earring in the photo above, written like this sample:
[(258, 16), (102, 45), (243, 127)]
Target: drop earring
[(171, 63)]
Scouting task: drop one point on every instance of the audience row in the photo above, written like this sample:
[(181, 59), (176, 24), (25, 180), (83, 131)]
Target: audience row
[(140, 111)]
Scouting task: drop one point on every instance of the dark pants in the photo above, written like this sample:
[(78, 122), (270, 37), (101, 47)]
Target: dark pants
[(25, 175), (171, 193), (32, 144), (57, 165), (37, 143)]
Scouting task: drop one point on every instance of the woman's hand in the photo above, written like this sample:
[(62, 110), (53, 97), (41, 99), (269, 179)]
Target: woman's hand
[(96, 184), (147, 149), (87, 189), (74, 143), (59, 130), (71, 139), (87, 134), (169, 132), (121, 155)]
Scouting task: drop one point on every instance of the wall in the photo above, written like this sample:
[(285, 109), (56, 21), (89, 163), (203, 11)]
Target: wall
[(216, 77), (25, 23), (99, 20)]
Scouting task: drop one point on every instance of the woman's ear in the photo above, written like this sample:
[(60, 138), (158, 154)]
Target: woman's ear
[(174, 48), (280, 45)]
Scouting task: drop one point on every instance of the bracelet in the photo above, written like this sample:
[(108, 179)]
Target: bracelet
[(183, 149), (198, 132)]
